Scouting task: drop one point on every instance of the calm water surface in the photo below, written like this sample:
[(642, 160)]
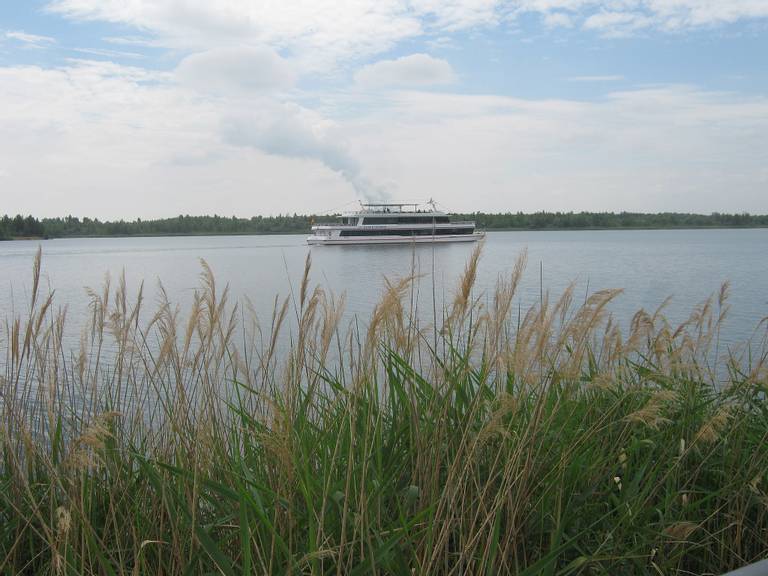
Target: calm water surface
[(688, 265)]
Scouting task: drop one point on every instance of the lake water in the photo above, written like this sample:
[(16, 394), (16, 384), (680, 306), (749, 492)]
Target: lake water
[(649, 265)]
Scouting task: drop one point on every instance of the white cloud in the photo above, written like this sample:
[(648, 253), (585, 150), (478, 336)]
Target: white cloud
[(117, 141), (684, 13), (442, 43), (121, 142), (672, 148), (458, 14), (322, 35), (132, 41), (33, 40), (623, 17), (558, 20), (617, 23), (235, 70), (95, 138), (109, 53), (413, 70)]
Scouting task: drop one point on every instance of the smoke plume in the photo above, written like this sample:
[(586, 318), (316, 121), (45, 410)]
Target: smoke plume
[(295, 132)]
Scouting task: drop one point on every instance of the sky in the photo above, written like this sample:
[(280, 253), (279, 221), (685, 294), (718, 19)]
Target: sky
[(154, 108)]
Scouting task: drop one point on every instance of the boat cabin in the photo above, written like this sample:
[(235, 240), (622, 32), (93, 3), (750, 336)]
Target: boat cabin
[(381, 214)]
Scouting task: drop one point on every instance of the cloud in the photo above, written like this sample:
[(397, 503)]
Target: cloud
[(235, 70), (109, 53), (413, 70), (625, 17), (320, 33), (118, 142), (326, 35), (132, 41), (669, 148), (101, 139), (441, 43), (31, 40), (558, 20), (452, 15), (675, 14), (617, 23)]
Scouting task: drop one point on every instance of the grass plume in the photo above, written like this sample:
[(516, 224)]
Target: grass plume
[(529, 442)]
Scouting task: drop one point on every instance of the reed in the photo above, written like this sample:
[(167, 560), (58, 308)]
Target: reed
[(543, 441)]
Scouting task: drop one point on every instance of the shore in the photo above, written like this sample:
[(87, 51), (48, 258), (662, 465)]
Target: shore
[(487, 230), (71, 227)]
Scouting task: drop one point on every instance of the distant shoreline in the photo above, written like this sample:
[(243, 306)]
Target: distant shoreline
[(298, 233), (20, 226)]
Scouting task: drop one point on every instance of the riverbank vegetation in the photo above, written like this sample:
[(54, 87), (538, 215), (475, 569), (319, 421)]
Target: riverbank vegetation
[(25, 227), (488, 440)]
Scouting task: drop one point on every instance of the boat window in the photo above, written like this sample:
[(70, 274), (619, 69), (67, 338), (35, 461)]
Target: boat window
[(374, 220), (413, 232), (380, 220)]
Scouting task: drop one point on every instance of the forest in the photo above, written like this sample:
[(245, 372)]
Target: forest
[(21, 226)]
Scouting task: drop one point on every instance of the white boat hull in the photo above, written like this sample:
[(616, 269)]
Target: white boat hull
[(348, 240)]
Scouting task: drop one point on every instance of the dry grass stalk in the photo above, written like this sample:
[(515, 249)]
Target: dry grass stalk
[(680, 531), (462, 298), (652, 413), (388, 321), (498, 316), (712, 429), (507, 405)]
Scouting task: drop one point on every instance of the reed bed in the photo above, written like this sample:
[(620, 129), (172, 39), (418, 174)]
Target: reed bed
[(492, 440)]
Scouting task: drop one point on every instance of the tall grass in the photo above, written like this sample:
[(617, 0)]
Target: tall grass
[(500, 441)]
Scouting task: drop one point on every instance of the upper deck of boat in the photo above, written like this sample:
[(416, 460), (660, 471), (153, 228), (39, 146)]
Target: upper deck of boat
[(396, 215), (393, 208)]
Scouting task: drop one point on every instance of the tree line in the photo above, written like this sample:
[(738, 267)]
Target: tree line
[(586, 220), (20, 226), (71, 226)]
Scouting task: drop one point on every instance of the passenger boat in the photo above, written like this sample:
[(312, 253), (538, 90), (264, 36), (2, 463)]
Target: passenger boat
[(394, 224)]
